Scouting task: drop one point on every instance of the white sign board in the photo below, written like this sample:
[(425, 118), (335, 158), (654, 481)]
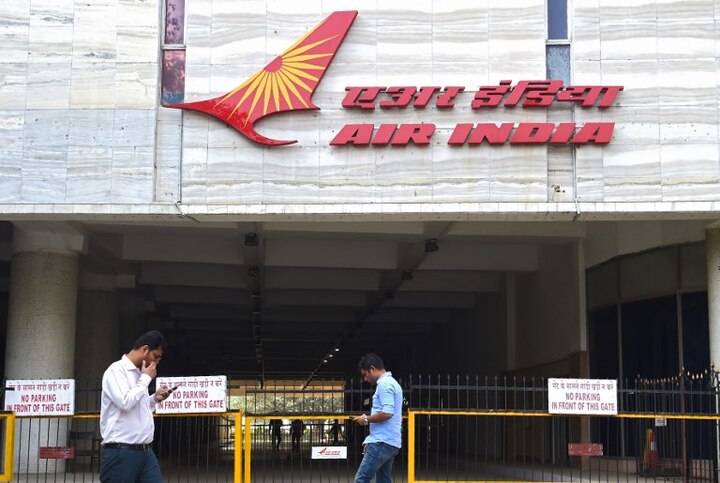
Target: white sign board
[(582, 396), (329, 452), (660, 422), (200, 394), (40, 397)]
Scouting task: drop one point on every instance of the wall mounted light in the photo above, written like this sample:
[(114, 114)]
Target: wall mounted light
[(251, 240), (431, 245)]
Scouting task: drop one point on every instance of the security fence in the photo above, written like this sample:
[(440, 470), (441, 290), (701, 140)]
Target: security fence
[(456, 429)]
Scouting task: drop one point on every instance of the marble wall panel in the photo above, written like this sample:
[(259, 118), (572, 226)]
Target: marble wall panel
[(137, 44), (141, 14), (240, 42), (197, 82), (458, 190), (628, 30), (194, 174), (95, 32), (589, 169), (195, 128), (346, 190), (235, 164), (198, 35), (51, 44), (516, 70), (290, 192), (92, 127), (16, 12), (51, 13), (346, 163), (584, 28), (15, 41), (641, 88), (167, 154), (637, 188), (12, 124), (46, 128), (133, 175), (399, 45), (628, 162), (408, 163), (560, 173), (679, 39), (464, 162), (689, 164), (44, 173), (230, 192), (587, 72), (687, 82), (93, 85), (48, 85), (89, 174), (409, 12), (291, 163), (136, 86), (10, 183), (134, 128), (235, 173), (13, 86), (11, 154), (94, 67), (417, 190)]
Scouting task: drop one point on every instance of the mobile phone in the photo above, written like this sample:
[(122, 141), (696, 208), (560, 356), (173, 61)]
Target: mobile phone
[(170, 391)]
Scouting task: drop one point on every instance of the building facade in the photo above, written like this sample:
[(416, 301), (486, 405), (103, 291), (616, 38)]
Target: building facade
[(411, 208)]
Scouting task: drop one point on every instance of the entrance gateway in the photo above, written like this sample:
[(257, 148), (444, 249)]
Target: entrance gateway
[(484, 218)]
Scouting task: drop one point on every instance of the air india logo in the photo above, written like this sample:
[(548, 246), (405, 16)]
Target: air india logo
[(285, 84)]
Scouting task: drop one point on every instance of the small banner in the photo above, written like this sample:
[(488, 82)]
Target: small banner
[(329, 452), (199, 394), (582, 396), (40, 397)]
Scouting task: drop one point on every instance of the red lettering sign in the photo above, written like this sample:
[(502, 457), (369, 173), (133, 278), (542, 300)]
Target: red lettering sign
[(585, 449), (57, 452)]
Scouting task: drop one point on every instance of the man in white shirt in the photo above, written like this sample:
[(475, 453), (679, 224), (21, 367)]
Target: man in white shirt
[(126, 419)]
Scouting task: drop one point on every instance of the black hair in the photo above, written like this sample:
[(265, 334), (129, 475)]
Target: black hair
[(371, 360), (153, 339)]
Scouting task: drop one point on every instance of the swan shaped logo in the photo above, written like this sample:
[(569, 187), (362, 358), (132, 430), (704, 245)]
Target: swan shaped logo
[(285, 84)]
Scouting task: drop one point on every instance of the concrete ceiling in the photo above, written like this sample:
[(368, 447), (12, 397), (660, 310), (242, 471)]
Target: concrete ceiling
[(282, 306)]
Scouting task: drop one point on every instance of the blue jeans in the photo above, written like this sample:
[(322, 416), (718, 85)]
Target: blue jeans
[(129, 466), (377, 463)]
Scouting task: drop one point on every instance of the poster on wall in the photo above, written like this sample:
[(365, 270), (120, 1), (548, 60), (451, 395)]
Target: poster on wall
[(582, 396), (40, 397), (198, 394)]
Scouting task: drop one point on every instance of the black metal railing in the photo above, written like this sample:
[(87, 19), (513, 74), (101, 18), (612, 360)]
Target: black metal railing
[(467, 428)]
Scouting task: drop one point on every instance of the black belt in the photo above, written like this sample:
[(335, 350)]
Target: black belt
[(136, 447)]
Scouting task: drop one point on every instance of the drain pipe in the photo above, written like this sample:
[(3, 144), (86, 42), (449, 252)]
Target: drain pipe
[(573, 155)]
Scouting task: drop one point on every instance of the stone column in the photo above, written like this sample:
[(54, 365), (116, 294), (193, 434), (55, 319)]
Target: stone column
[(41, 325), (712, 250)]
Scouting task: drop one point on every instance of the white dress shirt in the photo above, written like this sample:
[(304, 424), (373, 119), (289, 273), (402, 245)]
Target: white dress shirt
[(126, 407)]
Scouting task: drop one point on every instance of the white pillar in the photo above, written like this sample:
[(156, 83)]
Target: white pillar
[(41, 326), (712, 250)]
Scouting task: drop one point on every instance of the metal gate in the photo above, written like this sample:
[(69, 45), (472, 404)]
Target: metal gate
[(456, 429)]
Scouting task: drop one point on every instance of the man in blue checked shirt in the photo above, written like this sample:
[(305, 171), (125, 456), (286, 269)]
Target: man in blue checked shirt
[(385, 420)]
